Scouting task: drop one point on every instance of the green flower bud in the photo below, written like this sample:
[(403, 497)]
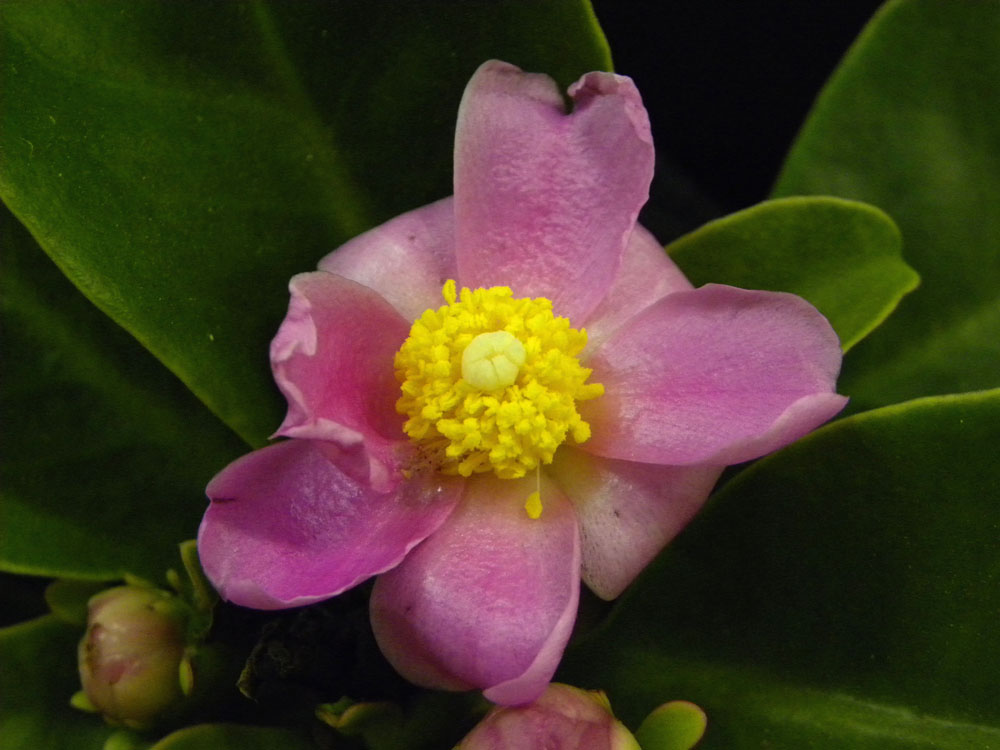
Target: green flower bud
[(132, 656)]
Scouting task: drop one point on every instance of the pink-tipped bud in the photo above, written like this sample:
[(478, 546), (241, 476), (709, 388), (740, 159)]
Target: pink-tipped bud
[(563, 718), (131, 656)]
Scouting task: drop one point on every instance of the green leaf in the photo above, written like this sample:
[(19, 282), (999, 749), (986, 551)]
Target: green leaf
[(38, 677), (181, 161), (233, 737), (842, 592), (909, 123), (842, 256), (106, 455)]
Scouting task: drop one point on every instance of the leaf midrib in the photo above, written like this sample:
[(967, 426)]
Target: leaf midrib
[(350, 212)]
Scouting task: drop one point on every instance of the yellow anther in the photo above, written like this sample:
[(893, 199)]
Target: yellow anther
[(490, 383), (533, 505), (492, 360)]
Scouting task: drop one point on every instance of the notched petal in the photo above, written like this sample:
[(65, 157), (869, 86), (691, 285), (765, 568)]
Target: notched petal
[(545, 201)]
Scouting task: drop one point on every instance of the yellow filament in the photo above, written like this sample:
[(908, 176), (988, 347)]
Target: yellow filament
[(533, 505)]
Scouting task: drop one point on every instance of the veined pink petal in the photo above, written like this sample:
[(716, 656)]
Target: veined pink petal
[(489, 600), (545, 201), (333, 360), (628, 511), (287, 527), (717, 375), (646, 274), (406, 260)]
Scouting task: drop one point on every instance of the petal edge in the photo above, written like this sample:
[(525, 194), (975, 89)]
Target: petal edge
[(457, 613), (287, 526), (716, 375)]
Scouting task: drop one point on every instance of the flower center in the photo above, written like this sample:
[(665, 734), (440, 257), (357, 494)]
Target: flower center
[(490, 383), (491, 360)]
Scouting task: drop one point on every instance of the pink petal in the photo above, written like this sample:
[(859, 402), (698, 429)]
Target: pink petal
[(628, 511), (333, 360), (406, 260), (488, 601), (287, 527), (563, 718), (545, 201), (717, 375), (647, 274)]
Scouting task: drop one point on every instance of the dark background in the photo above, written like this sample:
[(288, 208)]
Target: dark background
[(727, 86)]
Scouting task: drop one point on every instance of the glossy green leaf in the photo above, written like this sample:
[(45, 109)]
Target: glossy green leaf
[(909, 123), (37, 678), (748, 710), (233, 737), (181, 161), (841, 593), (842, 256), (106, 454)]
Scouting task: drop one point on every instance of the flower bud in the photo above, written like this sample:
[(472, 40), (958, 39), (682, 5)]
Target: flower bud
[(132, 657), (563, 718)]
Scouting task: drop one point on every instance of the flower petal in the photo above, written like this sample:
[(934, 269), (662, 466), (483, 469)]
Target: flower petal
[(717, 375), (646, 275), (545, 201), (288, 527), (333, 360), (406, 260), (628, 511), (563, 718), (488, 601)]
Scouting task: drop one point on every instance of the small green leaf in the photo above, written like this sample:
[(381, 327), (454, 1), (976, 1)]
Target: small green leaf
[(106, 455), (430, 720), (37, 681), (81, 702), (233, 737), (677, 725), (909, 123), (842, 256), (181, 161), (840, 593), (126, 739), (202, 595), (67, 598)]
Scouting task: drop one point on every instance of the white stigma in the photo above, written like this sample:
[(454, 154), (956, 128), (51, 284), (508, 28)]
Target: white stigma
[(492, 360)]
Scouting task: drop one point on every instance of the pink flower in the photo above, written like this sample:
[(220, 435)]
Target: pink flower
[(484, 454), (562, 718)]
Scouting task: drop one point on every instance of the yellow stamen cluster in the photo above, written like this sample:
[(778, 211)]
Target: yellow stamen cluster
[(521, 403)]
